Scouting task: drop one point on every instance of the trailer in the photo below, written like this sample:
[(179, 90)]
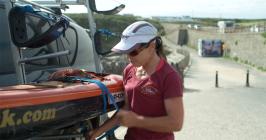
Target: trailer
[(209, 47)]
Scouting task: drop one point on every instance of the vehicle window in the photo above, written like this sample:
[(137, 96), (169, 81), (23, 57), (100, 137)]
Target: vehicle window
[(68, 41)]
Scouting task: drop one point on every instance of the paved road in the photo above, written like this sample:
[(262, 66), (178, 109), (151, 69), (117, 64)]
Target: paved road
[(230, 112)]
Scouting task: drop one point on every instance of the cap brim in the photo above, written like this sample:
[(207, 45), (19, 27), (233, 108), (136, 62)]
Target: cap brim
[(126, 45), (123, 47)]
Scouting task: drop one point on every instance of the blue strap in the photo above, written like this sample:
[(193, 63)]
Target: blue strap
[(29, 9), (112, 99), (109, 132), (105, 92), (55, 30), (104, 89), (106, 32)]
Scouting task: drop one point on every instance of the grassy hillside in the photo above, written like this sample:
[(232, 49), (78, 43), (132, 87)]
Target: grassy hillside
[(239, 22), (115, 23)]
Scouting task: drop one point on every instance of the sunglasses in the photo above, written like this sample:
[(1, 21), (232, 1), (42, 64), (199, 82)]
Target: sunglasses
[(140, 48)]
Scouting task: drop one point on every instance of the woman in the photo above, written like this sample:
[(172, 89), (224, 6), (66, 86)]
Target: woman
[(153, 104)]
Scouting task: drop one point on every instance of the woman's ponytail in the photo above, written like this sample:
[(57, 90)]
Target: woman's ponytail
[(159, 47)]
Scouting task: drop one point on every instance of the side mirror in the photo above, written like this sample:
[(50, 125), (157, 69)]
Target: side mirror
[(105, 12), (105, 41)]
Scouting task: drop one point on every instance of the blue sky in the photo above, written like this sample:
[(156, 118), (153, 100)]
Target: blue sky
[(195, 8)]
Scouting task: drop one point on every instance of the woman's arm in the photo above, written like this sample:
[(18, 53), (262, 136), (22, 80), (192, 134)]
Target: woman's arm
[(173, 121), (92, 135), (112, 122)]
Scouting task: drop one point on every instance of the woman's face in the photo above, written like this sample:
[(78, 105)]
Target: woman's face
[(142, 55)]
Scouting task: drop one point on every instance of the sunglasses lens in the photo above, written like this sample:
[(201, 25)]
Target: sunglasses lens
[(133, 53), (140, 47)]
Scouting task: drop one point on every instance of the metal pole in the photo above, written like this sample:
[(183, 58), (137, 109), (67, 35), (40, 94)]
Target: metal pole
[(247, 79), (216, 79), (92, 26)]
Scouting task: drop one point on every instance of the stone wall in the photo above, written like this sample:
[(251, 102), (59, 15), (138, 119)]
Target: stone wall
[(247, 47)]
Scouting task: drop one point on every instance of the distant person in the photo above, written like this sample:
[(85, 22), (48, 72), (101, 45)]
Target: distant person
[(153, 89)]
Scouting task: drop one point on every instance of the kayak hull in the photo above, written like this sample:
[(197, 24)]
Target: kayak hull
[(35, 112)]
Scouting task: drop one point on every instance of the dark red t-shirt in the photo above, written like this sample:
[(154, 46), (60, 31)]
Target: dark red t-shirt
[(146, 97)]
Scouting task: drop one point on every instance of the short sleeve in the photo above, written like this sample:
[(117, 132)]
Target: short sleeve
[(172, 86), (127, 73)]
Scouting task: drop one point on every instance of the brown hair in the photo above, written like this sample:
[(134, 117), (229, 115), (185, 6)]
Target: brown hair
[(159, 47)]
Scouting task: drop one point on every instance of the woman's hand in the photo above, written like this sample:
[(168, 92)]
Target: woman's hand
[(128, 118)]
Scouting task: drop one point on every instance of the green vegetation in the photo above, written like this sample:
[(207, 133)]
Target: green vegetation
[(235, 58), (251, 22), (246, 62), (115, 23), (262, 68), (208, 21), (238, 22), (264, 35), (236, 42)]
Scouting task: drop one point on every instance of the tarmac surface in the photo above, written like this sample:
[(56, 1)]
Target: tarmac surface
[(230, 112)]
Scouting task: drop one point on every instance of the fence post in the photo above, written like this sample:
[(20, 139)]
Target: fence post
[(216, 79), (247, 79)]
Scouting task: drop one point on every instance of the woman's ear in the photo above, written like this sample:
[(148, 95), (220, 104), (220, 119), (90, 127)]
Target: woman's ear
[(153, 44), (158, 41)]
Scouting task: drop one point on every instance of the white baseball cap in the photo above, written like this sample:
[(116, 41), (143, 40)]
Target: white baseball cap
[(137, 32)]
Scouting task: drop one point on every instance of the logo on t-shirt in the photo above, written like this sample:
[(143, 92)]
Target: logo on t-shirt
[(149, 90)]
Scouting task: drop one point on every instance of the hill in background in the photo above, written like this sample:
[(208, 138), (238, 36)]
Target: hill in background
[(114, 23)]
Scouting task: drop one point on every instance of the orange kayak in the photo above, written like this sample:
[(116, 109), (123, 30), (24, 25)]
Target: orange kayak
[(33, 109)]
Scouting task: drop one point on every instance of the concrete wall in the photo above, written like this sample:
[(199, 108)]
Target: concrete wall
[(246, 46), (249, 47)]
